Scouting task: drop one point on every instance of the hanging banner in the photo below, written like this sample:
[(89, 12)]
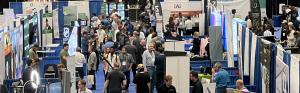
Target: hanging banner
[(81, 7), (55, 23), (70, 14), (252, 63), (7, 53), (266, 54), (17, 51)]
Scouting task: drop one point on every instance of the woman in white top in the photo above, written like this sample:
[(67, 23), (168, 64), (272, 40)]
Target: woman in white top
[(81, 87), (290, 37)]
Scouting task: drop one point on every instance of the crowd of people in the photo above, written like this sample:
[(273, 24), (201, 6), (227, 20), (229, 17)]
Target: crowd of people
[(122, 47), (290, 27)]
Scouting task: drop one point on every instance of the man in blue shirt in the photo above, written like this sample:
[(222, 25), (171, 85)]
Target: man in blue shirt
[(221, 77)]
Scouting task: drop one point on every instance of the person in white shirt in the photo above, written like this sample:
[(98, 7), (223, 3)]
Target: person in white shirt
[(180, 23), (189, 26), (149, 37), (82, 87), (79, 61), (268, 33), (92, 64)]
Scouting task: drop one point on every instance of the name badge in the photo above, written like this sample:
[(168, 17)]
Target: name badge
[(153, 59), (124, 63)]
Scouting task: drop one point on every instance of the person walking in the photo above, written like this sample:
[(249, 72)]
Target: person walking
[(116, 80), (82, 87), (148, 61), (92, 62), (196, 83), (79, 61), (160, 66), (142, 80), (167, 87), (126, 65)]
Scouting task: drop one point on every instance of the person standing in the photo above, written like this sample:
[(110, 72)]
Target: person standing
[(221, 77), (116, 80), (196, 83), (33, 56), (159, 63), (142, 80), (196, 44), (79, 61), (82, 87), (153, 21), (189, 26), (148, 61), (133, 51), (63, 55), (92, 62), (167, 87), (84, 44), (180, 23), (126, 64)]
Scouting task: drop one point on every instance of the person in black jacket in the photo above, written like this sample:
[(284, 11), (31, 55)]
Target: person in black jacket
[(160, 60), (196, 83), (196, 44), (167, 87)]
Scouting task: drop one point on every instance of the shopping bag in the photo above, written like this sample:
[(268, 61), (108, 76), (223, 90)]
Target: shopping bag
[(91, 79)]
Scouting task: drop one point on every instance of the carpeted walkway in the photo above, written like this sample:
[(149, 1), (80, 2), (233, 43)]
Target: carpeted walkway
[(100, 82)]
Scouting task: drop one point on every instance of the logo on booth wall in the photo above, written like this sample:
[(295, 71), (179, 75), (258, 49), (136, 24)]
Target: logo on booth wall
[(177, 6), (66, 32)]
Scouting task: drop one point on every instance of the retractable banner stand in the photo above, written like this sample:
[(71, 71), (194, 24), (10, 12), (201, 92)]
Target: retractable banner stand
[(2, 72), (294, 74), (17, 51), (71, 69), (282, 76), (215, 38), (70, 36)]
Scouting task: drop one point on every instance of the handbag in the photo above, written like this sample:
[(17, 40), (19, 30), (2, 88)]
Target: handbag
[(90, 79)]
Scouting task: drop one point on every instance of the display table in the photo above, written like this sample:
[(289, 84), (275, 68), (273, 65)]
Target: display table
[(51, 45), (45, 52)]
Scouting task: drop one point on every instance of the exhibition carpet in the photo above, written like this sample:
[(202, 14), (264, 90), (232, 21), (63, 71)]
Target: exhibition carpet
[(100, 82)]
